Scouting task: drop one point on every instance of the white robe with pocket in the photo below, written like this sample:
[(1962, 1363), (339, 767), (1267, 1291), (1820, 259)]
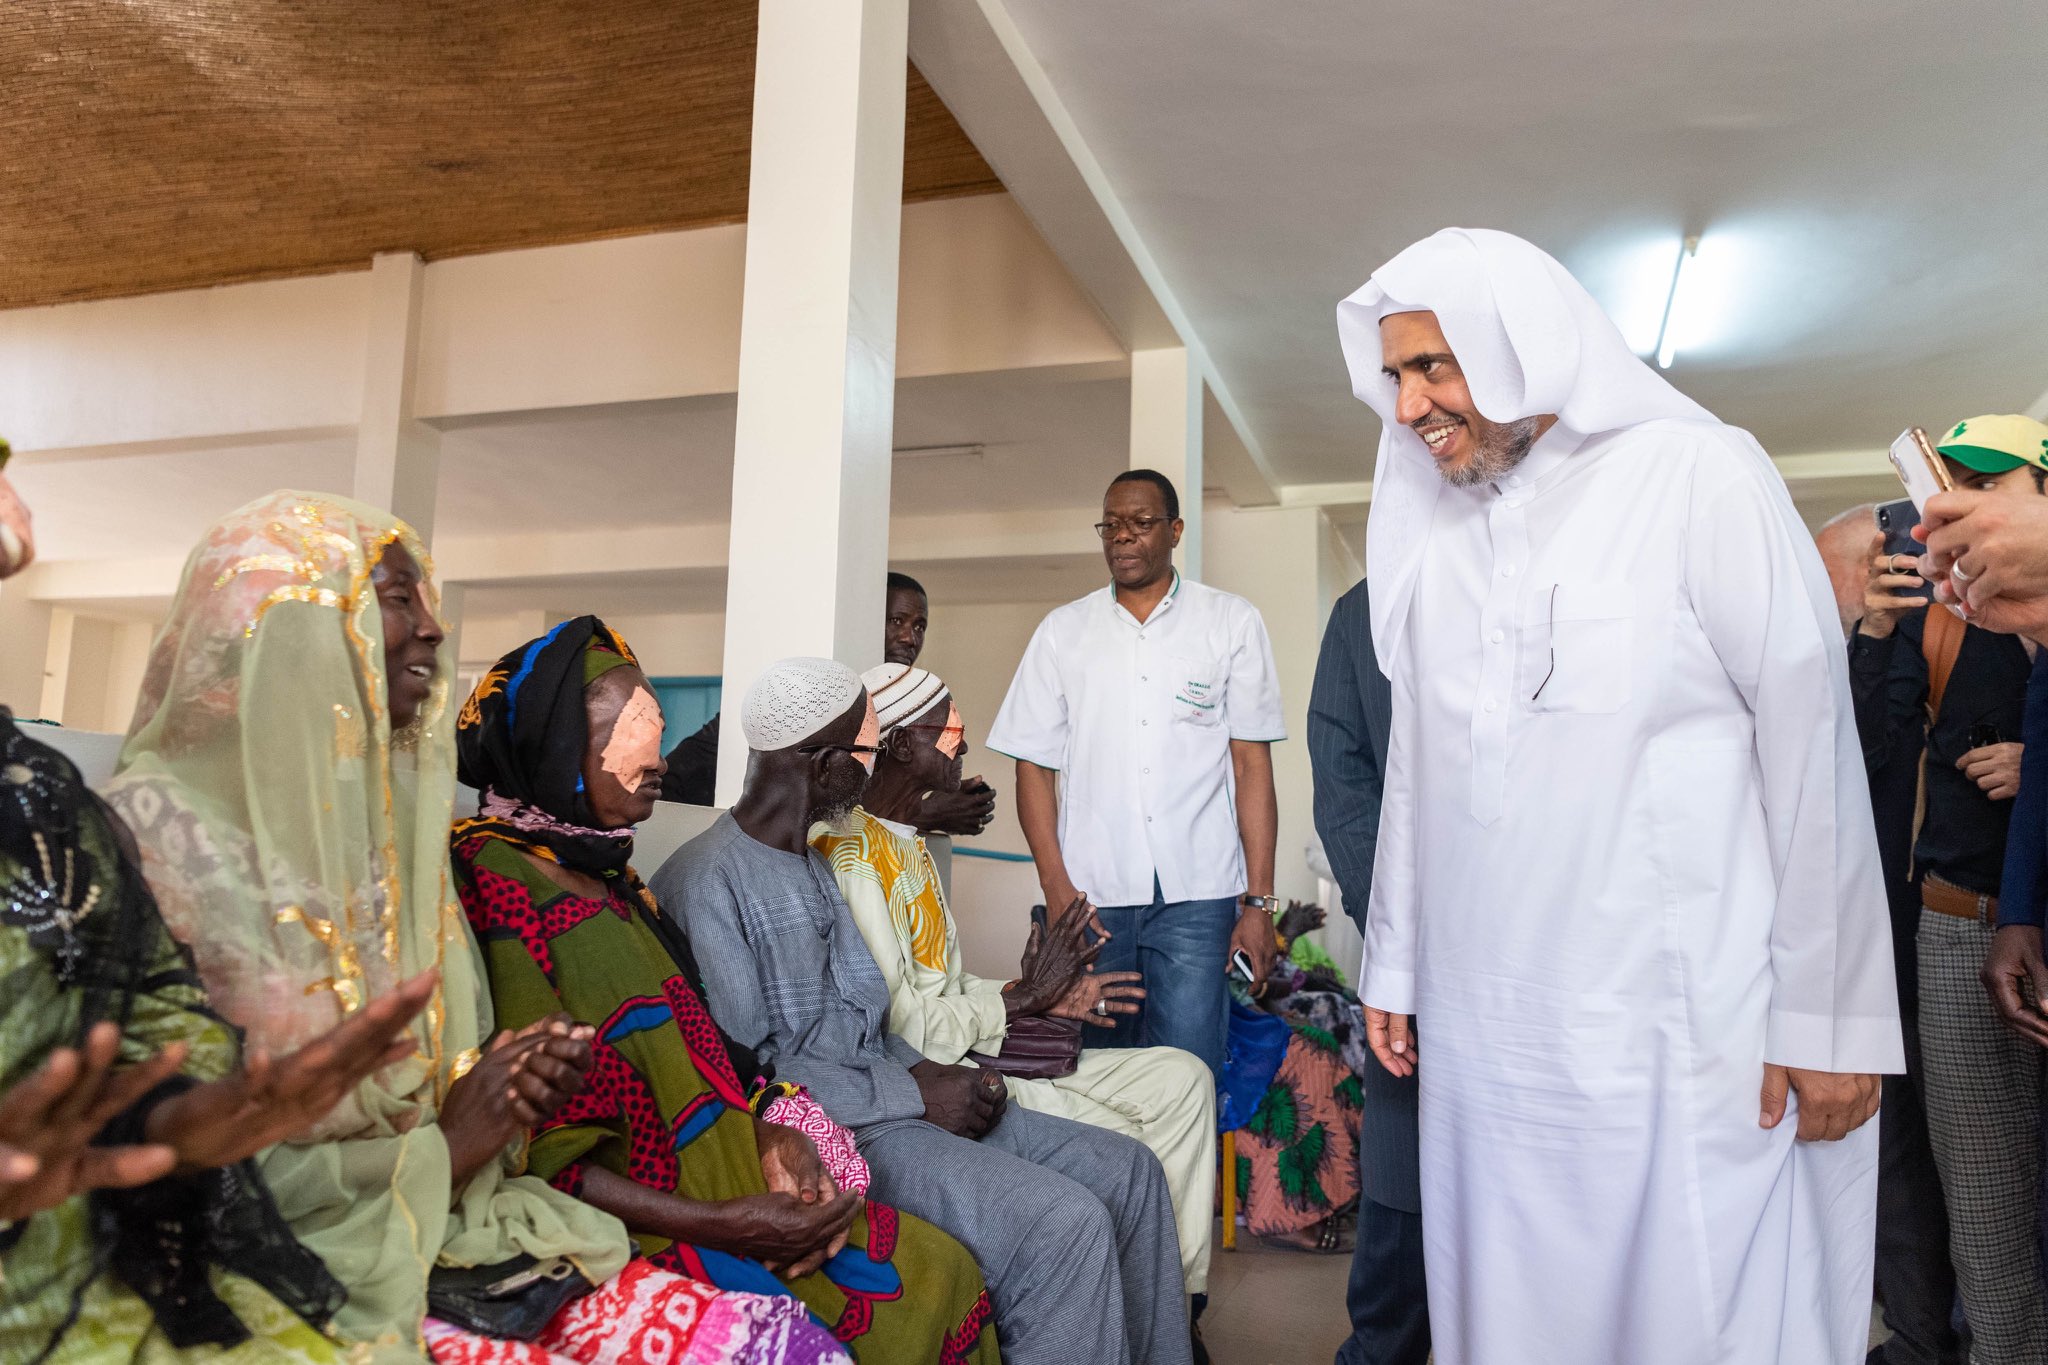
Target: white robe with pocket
[(1626, 858)]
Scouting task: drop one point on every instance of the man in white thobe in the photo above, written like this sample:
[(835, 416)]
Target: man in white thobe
[(1627, 884)]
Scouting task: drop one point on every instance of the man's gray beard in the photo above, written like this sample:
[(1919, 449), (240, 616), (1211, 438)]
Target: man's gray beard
[(1506, 446)]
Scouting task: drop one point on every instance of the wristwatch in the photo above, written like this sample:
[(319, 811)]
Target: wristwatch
[(1266, 903)]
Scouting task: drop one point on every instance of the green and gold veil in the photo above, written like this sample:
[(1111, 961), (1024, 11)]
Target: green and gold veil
[(300, 848)]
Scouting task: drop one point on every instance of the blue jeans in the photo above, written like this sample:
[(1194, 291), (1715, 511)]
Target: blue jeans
[(1181, 952)]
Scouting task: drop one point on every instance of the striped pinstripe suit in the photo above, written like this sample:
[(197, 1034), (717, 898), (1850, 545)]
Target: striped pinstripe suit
[(1350, 713)]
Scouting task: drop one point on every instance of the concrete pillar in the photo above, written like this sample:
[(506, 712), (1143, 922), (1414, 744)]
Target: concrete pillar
[(1166, 435), (398, 459), (816, 407)]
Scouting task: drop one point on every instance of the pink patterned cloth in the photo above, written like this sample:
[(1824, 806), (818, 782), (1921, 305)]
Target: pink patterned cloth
[(644, 1316), (849, 1170)]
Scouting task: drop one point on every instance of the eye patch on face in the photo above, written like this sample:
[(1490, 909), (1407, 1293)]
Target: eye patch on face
[(635, 743)]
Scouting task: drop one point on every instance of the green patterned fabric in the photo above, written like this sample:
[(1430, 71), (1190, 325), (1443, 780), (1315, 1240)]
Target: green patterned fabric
[(57, 1295), (665, 1107)]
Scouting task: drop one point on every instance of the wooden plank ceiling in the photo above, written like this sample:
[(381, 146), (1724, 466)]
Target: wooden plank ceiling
[(164, 144)]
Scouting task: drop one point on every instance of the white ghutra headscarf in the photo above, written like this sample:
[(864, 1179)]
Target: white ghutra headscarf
[(1531, 342)]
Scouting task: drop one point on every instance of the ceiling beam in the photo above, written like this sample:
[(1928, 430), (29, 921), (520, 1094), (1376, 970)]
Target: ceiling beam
[(599, 554), (1355, 493), (976, 58)]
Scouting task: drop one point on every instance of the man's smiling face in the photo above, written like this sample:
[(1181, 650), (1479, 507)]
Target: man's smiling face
[(1434, 401)]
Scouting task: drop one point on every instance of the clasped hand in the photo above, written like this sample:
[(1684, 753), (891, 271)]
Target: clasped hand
[(804, 1219), (517, 1085), (966, 810), (966, 1101)]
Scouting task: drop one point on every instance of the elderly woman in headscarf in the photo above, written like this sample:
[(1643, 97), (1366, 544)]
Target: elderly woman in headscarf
[(289, 776), (562, 739), (1161, 1096), (132, 1224)]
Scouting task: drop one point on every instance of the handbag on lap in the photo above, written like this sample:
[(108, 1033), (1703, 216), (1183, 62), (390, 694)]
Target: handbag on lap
[(1038, 1047)]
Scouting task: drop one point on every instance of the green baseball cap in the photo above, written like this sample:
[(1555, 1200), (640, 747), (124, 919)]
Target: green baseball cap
[(1997, 443)]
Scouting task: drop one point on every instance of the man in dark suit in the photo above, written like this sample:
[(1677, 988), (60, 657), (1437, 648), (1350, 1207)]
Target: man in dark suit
[(1349, 714)]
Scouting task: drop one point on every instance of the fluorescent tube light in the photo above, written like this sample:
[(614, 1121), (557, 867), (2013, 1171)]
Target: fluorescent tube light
[(1667, 330)]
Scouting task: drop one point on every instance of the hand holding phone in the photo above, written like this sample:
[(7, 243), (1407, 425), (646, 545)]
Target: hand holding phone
[(1896, 520)]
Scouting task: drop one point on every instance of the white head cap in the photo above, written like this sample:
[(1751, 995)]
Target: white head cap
[(902, 692), (794, 700)]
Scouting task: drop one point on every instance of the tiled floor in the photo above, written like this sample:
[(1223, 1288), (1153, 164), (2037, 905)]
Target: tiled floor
[(1269, 1307)]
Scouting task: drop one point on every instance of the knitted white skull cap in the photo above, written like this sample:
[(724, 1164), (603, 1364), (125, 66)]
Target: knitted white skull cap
[(794, 700)]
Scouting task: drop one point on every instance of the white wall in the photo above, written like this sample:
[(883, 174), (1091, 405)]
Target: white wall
[(275, 356), (104, 673), (24, 629), (676, 646), (1275, 558), (975, 648)]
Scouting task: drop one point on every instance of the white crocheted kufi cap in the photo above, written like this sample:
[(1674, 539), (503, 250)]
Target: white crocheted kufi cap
[(902, 692), (794, 700)]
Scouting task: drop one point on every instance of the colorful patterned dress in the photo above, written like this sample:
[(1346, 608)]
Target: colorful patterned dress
[(1297, 1157), (664, 1106)]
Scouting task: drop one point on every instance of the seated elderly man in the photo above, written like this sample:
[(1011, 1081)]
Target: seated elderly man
[(1072, 1224), (1162, 1096)]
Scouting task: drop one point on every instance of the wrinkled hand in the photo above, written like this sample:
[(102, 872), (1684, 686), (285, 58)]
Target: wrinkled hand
[(1254, 934), (48, 1122), (1055, 958), (267, 1101), (791, 1165), (787, 1235), (1118, 992), (1392, 1039), (2000, 546), (1886, 593), (966, 1101), (2016, 978), (1995, 768), (964, 811), (518, 1084), (1832, 1104)]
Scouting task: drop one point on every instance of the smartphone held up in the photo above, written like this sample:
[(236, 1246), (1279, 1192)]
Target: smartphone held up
[(1896, 521)]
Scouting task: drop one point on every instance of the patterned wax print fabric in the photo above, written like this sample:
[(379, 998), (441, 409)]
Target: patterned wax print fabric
[(191, 1268), (299, 847), (1297, 1157), (648, 1315), (666, 1108)]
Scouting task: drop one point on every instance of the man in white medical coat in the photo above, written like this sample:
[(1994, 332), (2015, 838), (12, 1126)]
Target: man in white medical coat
[(1627, 881)]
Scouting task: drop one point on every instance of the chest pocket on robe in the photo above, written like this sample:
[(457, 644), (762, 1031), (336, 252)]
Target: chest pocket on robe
[(1196, 687), (1577, 647)]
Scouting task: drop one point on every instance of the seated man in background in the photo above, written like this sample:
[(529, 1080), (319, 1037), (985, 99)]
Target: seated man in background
[(967, 809), (1072, 1225), (1162, 1096), (1946, 698)]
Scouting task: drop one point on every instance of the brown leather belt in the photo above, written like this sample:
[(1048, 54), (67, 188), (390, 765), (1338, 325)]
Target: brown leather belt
[(1946, 898)]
